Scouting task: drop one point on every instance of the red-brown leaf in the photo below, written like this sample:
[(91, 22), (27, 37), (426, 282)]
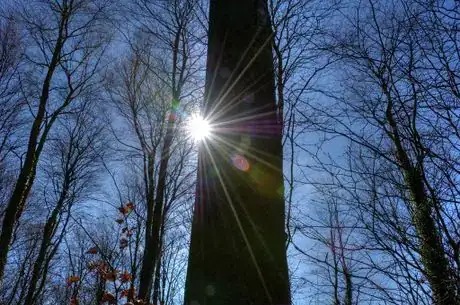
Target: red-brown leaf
[(72, 279), (125, 277), (92, 250)]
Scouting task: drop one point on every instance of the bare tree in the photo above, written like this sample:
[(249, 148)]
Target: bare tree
[(398, 134), (178, 41), (156, 90), (65, 55), (10, 107), (78, 150)]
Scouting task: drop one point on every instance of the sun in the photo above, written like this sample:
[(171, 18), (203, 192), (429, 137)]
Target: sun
[(198, 127)]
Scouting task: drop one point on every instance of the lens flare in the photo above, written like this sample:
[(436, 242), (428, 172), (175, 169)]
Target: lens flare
[(198, 127), (240, 162)]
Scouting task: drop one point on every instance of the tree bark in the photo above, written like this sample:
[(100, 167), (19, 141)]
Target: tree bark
[(237, 251)]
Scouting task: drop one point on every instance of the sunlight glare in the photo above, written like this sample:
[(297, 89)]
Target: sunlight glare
[(199, 127)]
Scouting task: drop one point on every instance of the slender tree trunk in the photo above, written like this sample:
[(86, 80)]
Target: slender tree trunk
[(434, 260), (237, 252), (26, 176), (50, 227), (157, 282), (146, 259), (37, 268), (335, 270), (100, 289), (348, 286), (152, 248), (158, 273), (153, 244), (20, 275)]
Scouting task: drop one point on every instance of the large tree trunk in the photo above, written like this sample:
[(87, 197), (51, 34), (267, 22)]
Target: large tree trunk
[(237, 252)]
